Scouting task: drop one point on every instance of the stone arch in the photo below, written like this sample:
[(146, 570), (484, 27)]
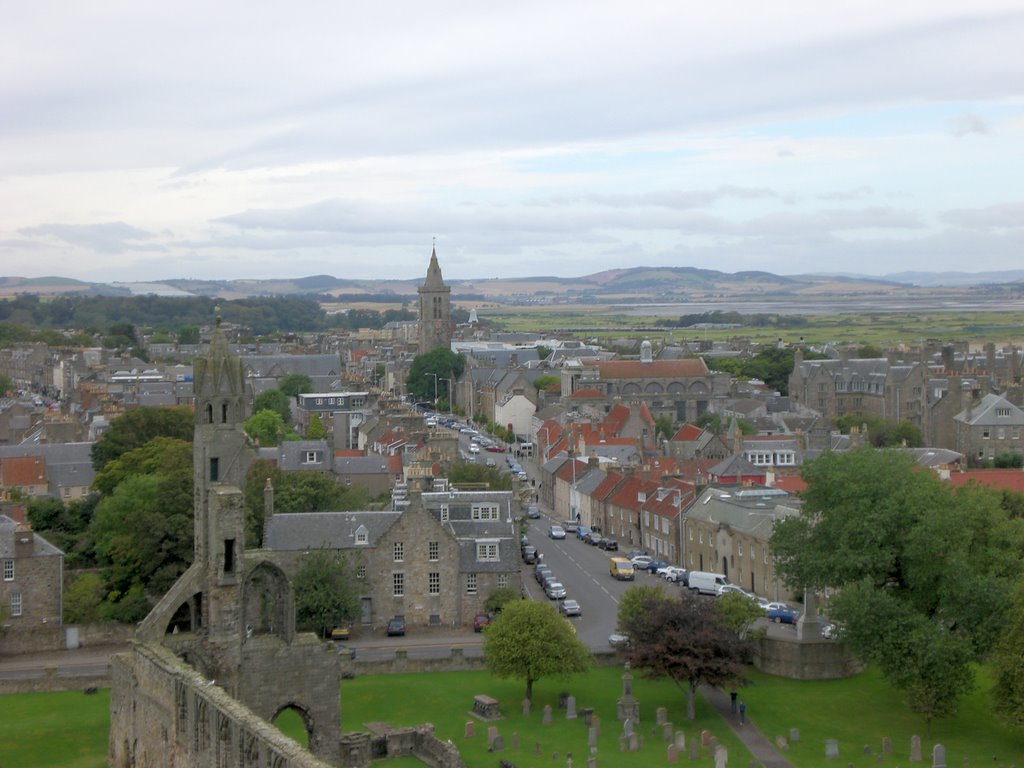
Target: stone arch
[(307, 720), (630, 389), (653, 388), (698, 387), (675, 387), (267, 602), (187, 617)]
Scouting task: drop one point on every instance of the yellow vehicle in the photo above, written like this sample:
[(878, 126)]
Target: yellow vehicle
[(621, 569)]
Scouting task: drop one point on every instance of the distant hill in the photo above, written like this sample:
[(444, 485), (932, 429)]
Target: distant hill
[(651, 284)]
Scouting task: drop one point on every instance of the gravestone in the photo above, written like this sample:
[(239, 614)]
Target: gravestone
[(470, 730), (568, 760), (587, 713), (915, 749), (666, 732), (546, 720), (627, 727), (592, 736), (705, 738), (721, 757), (831, 749), (628, 707), (498, 744), (672, 754), (486, 708), (633, 741), (781, 743), (794, 734), (536, 747), (570, 708), (622, 743), (938, 756), (694, 749), (591, 762), (886, 745), (680, 740), (515, 739), (526, 707), (661, 716), (712, 744), (492, 734), (867, 749), (596, 723)]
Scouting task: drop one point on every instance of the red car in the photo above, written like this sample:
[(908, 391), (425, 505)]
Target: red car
[(480, 621), (495, 448)]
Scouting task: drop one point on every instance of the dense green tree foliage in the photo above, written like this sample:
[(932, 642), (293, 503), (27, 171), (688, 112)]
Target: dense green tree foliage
[(882, 433), (465, 473), (687, 641), (498, 599), (137, 427), (636, 600), (441, 362), (326, 591), (316, 429), (529, 640), (922, 573), (274, 400), (66, 526), (84, 599), (772, 366), (268, 428), (1008, 690), (295, 384)]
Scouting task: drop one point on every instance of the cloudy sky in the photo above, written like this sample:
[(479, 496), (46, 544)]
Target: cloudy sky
[(261, 139)]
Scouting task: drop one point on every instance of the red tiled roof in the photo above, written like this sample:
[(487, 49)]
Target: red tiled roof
[(20, 471), (656, 369), (687, 433), (395, 463), (1000, 479), (587, 393), (347, 453), (789, 483)]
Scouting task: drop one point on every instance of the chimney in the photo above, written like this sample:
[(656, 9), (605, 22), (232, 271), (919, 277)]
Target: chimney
[(24, 541)]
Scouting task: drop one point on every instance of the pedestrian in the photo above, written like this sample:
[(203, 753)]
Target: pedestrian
[(732, 702), (743, 712)]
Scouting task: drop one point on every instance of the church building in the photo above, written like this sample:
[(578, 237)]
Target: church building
[(435, 315)]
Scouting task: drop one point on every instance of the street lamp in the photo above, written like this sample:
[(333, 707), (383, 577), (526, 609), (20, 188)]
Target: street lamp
[(449, 390), (435, 387)]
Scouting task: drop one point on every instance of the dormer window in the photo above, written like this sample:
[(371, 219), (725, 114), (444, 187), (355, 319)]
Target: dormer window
[(362, 535)]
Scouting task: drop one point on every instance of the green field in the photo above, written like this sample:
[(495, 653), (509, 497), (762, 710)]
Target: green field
[(70, 729)]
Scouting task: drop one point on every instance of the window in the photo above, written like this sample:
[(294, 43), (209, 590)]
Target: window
[(361, 572), (753, 552), (8, 570), (470, 583), (739, 550), (1001, 433), (398, 551), (433, 551), (701, 535), (16, 604), (310, 457), (398, 584), (214, 469), (765, 550), (487, 550), (1003, 413), (434, 583), (485, 512), (362, 535), (67, 493), (502, 581), (985, 434), (691, 534), (229, 555), (444, 513)]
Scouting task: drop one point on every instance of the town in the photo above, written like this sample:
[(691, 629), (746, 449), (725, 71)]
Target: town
[(441, 467)]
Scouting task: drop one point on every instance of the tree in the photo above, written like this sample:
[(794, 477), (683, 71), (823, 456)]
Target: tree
[(295, 384), (137, 427), (499, 598), (531, 641), (635, 600), (663, 427), (188, 334), (316, 429), (274, 400), (738, 613), (267, 428), (84, 599), (923, 574), (548, 383), (686, 641), (325, 591), (1008, 689), (6, 385), (440, 362)]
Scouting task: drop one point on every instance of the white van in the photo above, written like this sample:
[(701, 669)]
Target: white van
[(706, 583)]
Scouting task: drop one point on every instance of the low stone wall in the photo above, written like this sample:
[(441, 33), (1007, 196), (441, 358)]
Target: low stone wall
[(456, 660), (360, 749), (53, 637), (809, 660)]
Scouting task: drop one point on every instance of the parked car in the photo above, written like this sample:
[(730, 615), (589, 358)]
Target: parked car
[(618, 640), (555, 590), (396, 626), (593, 538), (547, 582), (656, 566), (581, 532), (773, 606), (727, 589), (673, 573), (571, 608), (609, 544), (571, 526), (783, 615), (481, 620), (641, 561), (494, 448), (529, 554), (533, 512), (635, 553), (541, 572), (556, 532)]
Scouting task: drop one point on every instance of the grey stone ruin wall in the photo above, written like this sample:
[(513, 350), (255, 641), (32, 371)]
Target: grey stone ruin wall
[(815, 660), (164, 714)]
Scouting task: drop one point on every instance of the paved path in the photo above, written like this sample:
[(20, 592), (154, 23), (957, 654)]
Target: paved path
[(755, 741)]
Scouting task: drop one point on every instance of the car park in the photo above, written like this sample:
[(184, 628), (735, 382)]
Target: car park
[(570, 607), (396, 627), (783, 615), (556, 532), (773, 606), (555, 590)]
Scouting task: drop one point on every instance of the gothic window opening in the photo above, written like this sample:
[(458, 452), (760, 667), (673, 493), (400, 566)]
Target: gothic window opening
[(214, 469), (229, 555), (223, 413)]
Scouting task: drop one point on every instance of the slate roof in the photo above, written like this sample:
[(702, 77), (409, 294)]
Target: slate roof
[(983, 413), (751, 510), (40, 546), (656, 369), (335, 530), (364, 465)]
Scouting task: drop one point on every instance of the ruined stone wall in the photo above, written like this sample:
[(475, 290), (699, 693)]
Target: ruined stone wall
[(163, 714)]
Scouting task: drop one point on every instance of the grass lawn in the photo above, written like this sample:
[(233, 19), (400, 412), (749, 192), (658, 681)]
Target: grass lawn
[(70, 729)]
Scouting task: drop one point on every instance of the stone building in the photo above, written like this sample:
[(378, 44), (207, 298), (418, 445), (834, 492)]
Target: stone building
[(989, 427), (435, 310), (31, 576)]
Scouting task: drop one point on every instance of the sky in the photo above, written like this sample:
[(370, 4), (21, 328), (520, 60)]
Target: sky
[(142, 141)]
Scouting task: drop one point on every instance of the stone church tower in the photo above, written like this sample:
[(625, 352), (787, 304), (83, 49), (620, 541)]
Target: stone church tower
[(435, 319)]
